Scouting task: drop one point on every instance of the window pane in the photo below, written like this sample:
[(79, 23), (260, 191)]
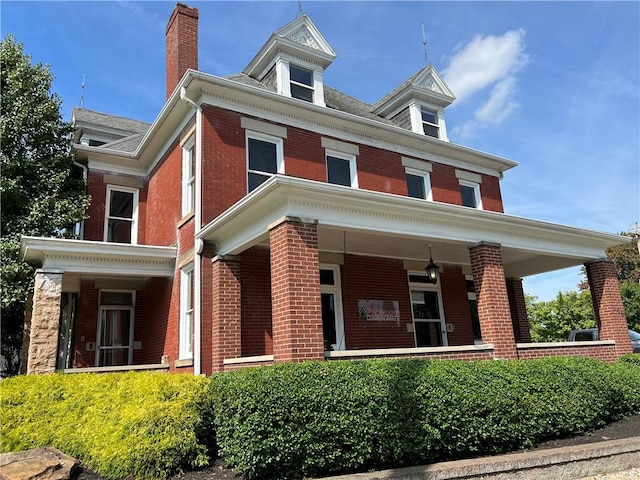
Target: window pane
[(428, 334), (326, 277), (119, 231), (425, 305), (328, 320), (428, 116), (116, 298), (301, 93), (115, 328), (430, 130), (255, 180), (415, 186), (121, 204), (468, 196), (262, 156), (300, 75), (338, 171)]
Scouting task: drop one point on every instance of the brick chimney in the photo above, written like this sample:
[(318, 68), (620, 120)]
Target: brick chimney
[(182, 44)]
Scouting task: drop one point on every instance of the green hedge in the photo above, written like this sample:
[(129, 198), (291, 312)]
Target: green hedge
[(310, 419), (315, 418), (145, 425)]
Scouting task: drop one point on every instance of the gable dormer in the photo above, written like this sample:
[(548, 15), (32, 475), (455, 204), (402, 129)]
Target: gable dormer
[(418, 104), (293, 60)]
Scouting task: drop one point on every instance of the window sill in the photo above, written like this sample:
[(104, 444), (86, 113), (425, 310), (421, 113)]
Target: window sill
[(183, 362), (185, 219)]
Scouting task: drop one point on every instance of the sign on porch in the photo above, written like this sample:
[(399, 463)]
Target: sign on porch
[(379, 310)]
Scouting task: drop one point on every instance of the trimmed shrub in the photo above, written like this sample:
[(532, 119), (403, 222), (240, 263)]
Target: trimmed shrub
[(317, 418), (633, 358), (143, 425)]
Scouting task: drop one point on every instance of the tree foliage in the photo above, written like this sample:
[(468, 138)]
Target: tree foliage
[(552, 321), (627, 259), (43, 194)]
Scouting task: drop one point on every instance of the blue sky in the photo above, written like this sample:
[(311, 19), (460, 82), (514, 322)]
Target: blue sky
[(554, 86)]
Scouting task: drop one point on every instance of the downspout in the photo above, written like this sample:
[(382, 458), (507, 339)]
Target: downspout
[(197, 246)]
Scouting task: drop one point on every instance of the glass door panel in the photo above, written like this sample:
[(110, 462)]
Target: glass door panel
[(114, 346)]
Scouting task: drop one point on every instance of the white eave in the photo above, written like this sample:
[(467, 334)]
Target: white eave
[(98, 258), (381, 224)]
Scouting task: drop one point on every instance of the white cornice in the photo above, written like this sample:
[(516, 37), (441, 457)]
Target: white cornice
[(98, 258), (246, 223)]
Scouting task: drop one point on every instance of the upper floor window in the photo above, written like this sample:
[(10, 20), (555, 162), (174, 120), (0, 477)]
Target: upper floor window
[(341, 169), (418, 180), (301, 83), (188, 177), (470, 193), (470, 188), (121, 215), (264, 158), (430, 123)]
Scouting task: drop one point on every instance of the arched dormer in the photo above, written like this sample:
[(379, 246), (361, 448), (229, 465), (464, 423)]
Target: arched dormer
[(418, 104), (293, 60)]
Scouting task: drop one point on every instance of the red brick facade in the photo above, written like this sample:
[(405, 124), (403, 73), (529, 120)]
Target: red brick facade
[(518, 308), (493, 301), (182, 44), (226, 311)]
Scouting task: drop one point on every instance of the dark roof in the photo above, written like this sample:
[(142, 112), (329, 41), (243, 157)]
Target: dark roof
[(126, 144), (91, 117)]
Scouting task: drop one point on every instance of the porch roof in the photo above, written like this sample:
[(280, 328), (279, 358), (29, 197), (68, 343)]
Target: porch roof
[(98, 258), (379, 224)]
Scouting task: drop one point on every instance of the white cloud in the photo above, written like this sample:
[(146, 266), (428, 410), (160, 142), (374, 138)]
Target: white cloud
[(484, 61)]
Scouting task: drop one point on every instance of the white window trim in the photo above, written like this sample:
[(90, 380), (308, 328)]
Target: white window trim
[(279, 153), (134, 215), (101, 308), (426, 177), (185, 349), (353, 168), (336, 290), (476, 192), (283, 77), (415, 112), (188, 181), (425, 287)]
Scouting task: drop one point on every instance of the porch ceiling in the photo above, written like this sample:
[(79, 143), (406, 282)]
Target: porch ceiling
[(98, 259), (379, 224)]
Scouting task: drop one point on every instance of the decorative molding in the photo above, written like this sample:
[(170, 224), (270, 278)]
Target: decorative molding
[(468, 176), (304, 37), (339, 146), (417, 164), (263, 127)]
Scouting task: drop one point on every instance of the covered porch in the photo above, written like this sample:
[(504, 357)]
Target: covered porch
[(88, 309), (344, 274)]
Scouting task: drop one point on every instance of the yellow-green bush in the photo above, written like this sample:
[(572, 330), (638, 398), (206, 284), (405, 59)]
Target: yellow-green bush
[(144, 425)]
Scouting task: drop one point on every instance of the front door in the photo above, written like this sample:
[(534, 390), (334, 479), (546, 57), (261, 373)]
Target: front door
[(428, 319), (331, 300), (114, 343)]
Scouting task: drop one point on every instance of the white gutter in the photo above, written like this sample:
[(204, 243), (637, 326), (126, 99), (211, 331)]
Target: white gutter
[(198, 243)]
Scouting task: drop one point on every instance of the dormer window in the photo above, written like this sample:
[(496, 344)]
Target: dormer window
[(301, 83), (430, 123)]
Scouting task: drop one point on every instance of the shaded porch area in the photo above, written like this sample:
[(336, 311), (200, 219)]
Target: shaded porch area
[(289, 253), (89, 311)]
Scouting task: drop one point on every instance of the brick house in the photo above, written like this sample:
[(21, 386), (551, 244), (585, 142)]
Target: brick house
[(266, 217)]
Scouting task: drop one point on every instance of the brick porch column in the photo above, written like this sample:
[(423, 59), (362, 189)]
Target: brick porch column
[(493, 301), (45, 322), (295, 291), (518, 308), (607, 304), (226, 311)]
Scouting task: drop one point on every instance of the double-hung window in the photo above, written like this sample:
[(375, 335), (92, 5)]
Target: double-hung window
[(121, 215), (470, 189), (264, 158), (341, 169), (301, 82), (430, 122), (188, 177), (417, 174), (186, 312)]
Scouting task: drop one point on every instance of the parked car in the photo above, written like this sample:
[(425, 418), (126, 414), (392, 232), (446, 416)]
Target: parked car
[(591, 334)]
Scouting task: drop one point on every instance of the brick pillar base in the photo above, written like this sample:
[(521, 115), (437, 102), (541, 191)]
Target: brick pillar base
[(518, 308), (493, 301), (226, 311), (295, 292), (607, 304), (45, 323)]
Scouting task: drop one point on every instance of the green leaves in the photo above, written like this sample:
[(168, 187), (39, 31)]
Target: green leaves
[(42, 191)]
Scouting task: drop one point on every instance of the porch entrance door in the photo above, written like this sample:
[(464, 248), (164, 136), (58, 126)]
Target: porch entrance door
[(428, 320), (115, 337), (331, 300)]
